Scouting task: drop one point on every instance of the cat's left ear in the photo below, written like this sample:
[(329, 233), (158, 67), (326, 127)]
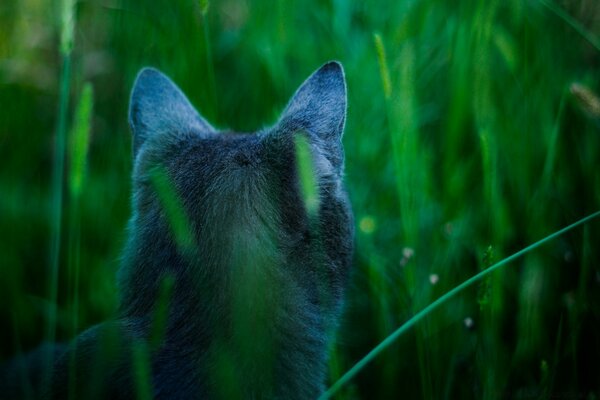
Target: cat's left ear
[(319, 107), (158, 106)]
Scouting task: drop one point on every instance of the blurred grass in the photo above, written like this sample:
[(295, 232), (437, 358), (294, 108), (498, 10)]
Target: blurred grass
[(464, 131), (181, 228), (483, 275), (142, 368), (78, 150), (308, 181)]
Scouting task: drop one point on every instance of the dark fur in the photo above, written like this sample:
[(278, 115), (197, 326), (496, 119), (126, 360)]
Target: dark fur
[(257, 296)]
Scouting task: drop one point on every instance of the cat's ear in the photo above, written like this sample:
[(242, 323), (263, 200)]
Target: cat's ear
[(158, 106), (319, 108)]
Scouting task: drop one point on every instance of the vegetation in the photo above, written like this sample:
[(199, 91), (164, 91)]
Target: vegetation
[(473, 131)]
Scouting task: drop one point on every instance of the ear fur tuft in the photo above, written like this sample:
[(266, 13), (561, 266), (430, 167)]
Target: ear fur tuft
[(319, 107), (158, 106)]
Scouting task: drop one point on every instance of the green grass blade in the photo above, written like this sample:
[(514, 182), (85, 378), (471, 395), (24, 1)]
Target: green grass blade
[(161, 312), (142, 371), (67, 26), (173, 208), (441, 300), (384, 70), (80, 139), (204, 4), (66, 45), (79, 143), (308, 180)]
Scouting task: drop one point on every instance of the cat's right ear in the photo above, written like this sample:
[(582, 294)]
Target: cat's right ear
[(319, 108), (158, 106)]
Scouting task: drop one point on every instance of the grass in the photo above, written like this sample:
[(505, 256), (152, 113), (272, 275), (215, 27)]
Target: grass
[(79, 144), (437, 303), (471, 126), (66, 47), (308, 181)]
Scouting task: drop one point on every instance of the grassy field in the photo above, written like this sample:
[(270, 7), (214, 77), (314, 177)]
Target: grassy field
[(473, 130)]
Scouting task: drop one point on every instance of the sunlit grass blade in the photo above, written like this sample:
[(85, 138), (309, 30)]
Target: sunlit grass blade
[(80, 139), (441, 300), (67, 26), (204, 4), (308, 180), (384, 70)]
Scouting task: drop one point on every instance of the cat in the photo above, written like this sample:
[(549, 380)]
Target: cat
[(250, 281)]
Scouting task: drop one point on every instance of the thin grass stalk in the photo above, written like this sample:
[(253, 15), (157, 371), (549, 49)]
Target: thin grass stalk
[(441, 300), (66, 46), (458, 113), (403, 131), (210, 67), (79, 142), (142, 371), (376, 273), (57, 189), (335, 365), (410, 163), (487, 124)]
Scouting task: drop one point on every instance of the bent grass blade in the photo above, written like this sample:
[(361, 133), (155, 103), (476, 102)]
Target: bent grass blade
[(352, 372)]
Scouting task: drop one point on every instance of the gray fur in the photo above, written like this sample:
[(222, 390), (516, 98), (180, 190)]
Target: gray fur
[(257, 298), (159, 107)]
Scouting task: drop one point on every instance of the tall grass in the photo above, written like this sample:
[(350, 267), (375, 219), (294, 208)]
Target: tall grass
[(67, 21), (79, 145), (471, 126), (419, 316)]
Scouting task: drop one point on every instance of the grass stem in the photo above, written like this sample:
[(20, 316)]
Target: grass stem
[(441, 300)]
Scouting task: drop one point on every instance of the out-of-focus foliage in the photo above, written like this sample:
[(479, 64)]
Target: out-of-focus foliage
[(473, 130)]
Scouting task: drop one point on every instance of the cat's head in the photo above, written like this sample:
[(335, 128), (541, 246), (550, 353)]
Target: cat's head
[(159, 112), (237, 198)]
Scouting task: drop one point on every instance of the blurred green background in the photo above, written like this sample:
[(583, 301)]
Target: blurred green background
[(473, 130)]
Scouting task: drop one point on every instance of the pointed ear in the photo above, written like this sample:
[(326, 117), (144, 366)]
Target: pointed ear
[(157, 106), (319, 107)]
